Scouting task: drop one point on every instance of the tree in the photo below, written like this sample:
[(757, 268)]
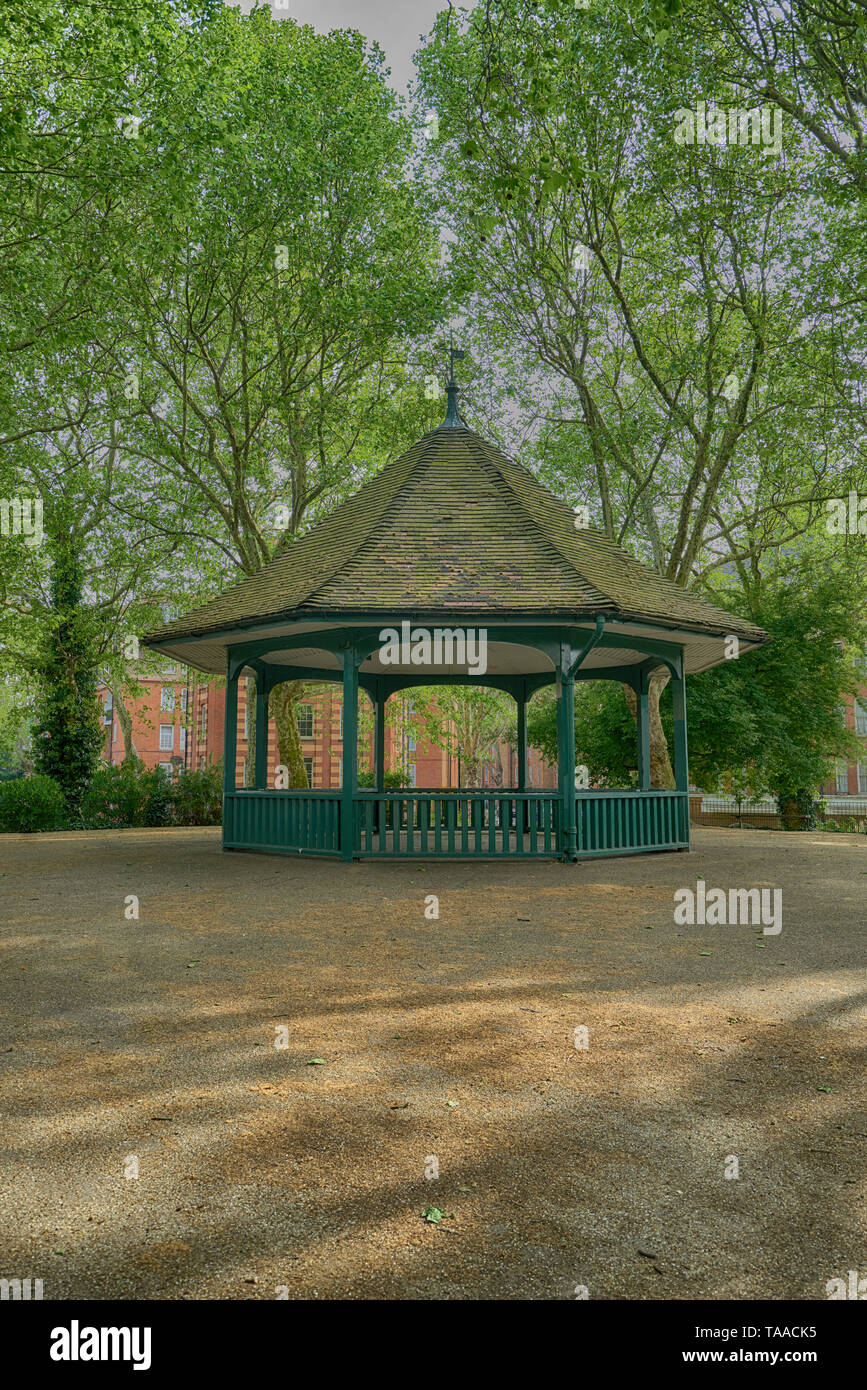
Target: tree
[(660, 298), (67, 734), (776, 712), (605, 736), (767, 721), (466, 721), (282, 258)]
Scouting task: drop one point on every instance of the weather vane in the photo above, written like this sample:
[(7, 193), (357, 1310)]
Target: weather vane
[(455, 355)]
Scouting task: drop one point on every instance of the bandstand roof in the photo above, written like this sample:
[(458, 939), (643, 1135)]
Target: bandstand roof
[(453, 533)]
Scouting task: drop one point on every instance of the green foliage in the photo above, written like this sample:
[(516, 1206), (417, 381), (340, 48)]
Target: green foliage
[(28, 804), (67, 734), (197, 796), (466, 721), (774, 715), (15, 715), (122, 795), (392, 781), (768, 721), (605, 735)]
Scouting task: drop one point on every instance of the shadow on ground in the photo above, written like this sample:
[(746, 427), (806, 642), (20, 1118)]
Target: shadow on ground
[(446, 1045)]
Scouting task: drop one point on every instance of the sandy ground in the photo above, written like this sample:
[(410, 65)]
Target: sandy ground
[(446, 1043)]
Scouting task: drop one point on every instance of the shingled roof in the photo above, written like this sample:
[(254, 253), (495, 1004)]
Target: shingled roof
[(454, 527)]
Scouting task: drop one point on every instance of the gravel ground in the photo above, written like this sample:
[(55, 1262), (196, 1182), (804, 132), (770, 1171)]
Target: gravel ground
[(449, 1040)]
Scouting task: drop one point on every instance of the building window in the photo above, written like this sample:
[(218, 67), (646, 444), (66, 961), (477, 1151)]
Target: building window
[(167, 738), (167, 698), (183, 739), (305, 721), (201, 762), (308, 768), (184, 694), (165, 768), (861, 716), (862, 779), (338, 727), (842, 778), (412, 775), (203, 721)]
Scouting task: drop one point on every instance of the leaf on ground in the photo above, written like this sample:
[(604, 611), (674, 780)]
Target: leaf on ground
[(433, 1215), (317, 1062)]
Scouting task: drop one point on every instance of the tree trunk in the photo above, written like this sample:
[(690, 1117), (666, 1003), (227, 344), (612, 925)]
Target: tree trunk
[(284, 708), (661, 771), (124, 719)]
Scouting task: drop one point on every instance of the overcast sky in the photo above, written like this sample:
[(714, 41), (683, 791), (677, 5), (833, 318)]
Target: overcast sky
[(395, 24)]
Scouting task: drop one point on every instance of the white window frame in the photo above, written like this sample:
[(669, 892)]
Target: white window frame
[(167, 729)]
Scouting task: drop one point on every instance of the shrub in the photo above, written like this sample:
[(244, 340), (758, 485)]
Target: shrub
[(125, 794), (392, 781), (197, 797), (28, 804)]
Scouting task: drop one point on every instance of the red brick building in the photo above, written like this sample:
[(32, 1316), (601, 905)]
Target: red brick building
[(178, 723), (851, 778)]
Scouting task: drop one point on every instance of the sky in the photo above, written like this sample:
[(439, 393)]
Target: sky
[(396, 25)]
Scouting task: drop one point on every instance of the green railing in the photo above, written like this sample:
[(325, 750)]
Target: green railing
[(624, 822), (304, 822), (454, 824), (457, 825)]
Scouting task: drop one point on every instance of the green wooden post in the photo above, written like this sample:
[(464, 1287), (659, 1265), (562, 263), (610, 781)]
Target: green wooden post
[(681, 755), (350, 752), (379, 737), (566, 755), (522, 737), (262, 694), (230, 731), (521, 698), (643, 712)]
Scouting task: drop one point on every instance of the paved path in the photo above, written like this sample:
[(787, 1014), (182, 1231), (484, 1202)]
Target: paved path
[(447, 1041)]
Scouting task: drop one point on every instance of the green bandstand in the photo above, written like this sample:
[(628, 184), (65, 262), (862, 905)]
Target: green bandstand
[(454, 535)]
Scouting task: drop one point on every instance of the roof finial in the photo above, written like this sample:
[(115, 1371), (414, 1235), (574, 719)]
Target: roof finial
[(453, 420)]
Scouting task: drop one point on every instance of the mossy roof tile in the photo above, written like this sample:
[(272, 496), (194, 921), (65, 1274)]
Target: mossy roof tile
[(453, 526)]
